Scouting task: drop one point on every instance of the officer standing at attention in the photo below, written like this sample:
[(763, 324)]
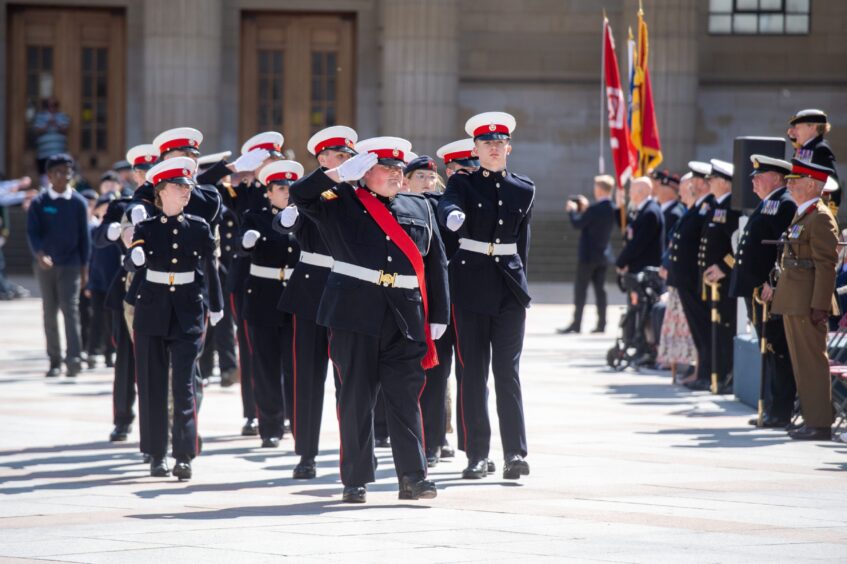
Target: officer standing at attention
[(332, 147), (751, 274), (806, 130), (490, 211), (177, 252), (804, 296), (385, 301), (645, 234), (684, 271), (716, 260)]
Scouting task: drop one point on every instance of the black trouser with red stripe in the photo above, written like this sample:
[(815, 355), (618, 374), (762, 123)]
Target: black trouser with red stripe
[(245, 357), (434, 396), (495, 340), (364, 365), (152, 367), (123, 388), (219, 339), (311, 357), (272, 365)]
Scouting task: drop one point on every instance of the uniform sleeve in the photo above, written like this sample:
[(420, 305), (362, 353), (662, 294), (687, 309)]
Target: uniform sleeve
[(84, 234), (584, 219), (453, 198), (213, 280), (824, 247), (524, 236), (214, 173), (306, 194), (282, 230), (34, 228), (138, 237), (435, 266)]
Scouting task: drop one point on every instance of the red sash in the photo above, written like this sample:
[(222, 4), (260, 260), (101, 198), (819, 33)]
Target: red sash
[(390, 227)]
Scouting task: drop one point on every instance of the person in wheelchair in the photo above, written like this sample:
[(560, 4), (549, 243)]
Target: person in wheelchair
[(638, 342)]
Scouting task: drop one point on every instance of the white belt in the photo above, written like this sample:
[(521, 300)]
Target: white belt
[(489, 249), (170, 278), (316, 259), (269, 272), (376, 276)]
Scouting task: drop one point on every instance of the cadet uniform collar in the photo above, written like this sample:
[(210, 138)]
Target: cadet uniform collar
[(172, 218), (489, 173)]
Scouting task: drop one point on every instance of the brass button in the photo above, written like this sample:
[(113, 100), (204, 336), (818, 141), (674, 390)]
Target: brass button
[(496, 259), (173, 260), (176, 231), (175, 246), (306, 276), (290, 250), (500, 222), (496, 240), (173, 288), (164, 219)]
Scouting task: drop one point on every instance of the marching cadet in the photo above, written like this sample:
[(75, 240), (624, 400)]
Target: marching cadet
[(177, 253), (683, 269), (806, 130), (385, 301), (716, 261), (804, 296), (115, 231), (272, 259), (750, 278), (490, 212), (332, 147), (645, 233), (459, 155)]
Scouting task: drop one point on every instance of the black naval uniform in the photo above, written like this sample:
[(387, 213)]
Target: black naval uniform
[(169, 322), (817, 151), (644, 239), (490, 295), (684, 272), (672, 214), (272, 261), (301, 299), (716, 248), (753, 265), (377, 332)]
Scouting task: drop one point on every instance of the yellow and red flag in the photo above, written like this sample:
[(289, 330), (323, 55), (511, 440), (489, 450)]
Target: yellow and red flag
[(645, 127)]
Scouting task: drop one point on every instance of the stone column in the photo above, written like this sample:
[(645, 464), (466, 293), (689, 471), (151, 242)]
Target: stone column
[(181, 67), (673, 57), (420, 71)]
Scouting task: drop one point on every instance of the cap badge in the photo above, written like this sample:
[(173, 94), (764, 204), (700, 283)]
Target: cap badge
[(395, 152), (492, 127), (755, 163)]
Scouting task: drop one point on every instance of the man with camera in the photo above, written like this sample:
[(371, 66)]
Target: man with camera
[(595, 222)]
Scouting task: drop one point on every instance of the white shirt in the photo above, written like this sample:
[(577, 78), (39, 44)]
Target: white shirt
[(700, 199), (801, 209), (667, 205), (724, 197), (66, 195)]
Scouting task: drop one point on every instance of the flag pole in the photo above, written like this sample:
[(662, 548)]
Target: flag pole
[(601, 163)]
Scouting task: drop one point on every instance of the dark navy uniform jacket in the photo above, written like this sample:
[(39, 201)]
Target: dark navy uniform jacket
[(302, 295), (595, 225), (205, 201), (228, 234), (672, 215), (272, 250), (754, 261), (498, 207), (716, 240), (683, 269), (644, 236), (114, 214), (450, 240), (174, 244), (352, 236)]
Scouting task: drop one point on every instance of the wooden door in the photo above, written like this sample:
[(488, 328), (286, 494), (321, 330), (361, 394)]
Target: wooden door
[(297, 76), (77, 56)]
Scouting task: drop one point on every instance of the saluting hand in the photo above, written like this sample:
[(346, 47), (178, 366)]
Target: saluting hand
[(355, 168)]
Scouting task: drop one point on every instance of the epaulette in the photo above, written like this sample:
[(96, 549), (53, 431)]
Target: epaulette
[(524, 178), (328, 195), (195, 218)]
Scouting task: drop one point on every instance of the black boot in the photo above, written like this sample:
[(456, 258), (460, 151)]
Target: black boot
[(476, 470), (414, 488), (515, 467), (159, 468), (120, 432), (354, 494), (305, 469), (182, 469)]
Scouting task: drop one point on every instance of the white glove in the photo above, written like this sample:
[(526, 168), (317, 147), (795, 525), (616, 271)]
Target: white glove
[(248, 241), (215, 317), (113, 231), (355, 168), (137, 256), (138, 214), (455, 220), (288, 216), (250, 161), (436, 330)]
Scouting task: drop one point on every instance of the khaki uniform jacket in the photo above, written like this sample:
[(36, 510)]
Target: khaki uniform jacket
[(813, 238)]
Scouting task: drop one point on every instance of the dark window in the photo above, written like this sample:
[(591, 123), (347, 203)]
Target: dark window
[(759, 17), (271, 82), (94, 115), (324, 93)]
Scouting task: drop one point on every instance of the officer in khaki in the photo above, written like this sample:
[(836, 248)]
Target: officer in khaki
[(804, 296)]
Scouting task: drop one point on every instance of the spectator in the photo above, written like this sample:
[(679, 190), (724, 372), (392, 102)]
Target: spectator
[(123, 170), (645, 235), (51, 129), (104, 265), (595, 223), (57, 231), (12, 193)]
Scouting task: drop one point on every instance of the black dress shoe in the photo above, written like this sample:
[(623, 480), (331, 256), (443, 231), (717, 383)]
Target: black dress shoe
[(431, 460), (251, 428), (354, 494), (228, 377), (569, 329), (769, 423), (159, 468), (182, 469), (699, 385), (811, 434), (490, 466), (412, 488), (120, 433), (447, 451), (476, 470), (515, 467), (54, 371), (110, 361), (145, 458), (74, 368), (270, 442), (382, 443), (305, 469), (725, 388), (91, 361), (599, 329)]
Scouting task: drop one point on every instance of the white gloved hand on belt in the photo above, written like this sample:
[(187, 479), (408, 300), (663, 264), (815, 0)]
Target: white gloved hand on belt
[(137, 256), (250, 161), (437, 330), (288, 216), (113, 231), (138, 214), (215, 317), (355, 168), (455, 220), (248, 241)]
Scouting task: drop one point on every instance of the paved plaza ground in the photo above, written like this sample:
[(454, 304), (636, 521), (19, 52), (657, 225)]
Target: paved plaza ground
[(626, 467)]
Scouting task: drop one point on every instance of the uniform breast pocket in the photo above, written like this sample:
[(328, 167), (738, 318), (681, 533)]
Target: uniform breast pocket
[(513, 218), (418, 229)]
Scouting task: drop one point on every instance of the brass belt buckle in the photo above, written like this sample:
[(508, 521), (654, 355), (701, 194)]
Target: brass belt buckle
[(490, 249), (171, 276), (282, 274), (387, 279)]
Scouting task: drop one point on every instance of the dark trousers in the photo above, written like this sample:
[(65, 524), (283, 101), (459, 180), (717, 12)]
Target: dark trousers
[(100, 326), (60, 291), (698, 318), (460, 429), (780, 387), (154, 358), (727, 327), (364, 365), (434, 396), (593, 273), (272, 361), (309, 363), (84, 320), (495, 340), (123, 388), (245, 357), (380, 418), (219, 339)]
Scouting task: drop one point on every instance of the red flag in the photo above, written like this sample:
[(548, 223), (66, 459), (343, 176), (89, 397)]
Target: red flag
[(623, 153)]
